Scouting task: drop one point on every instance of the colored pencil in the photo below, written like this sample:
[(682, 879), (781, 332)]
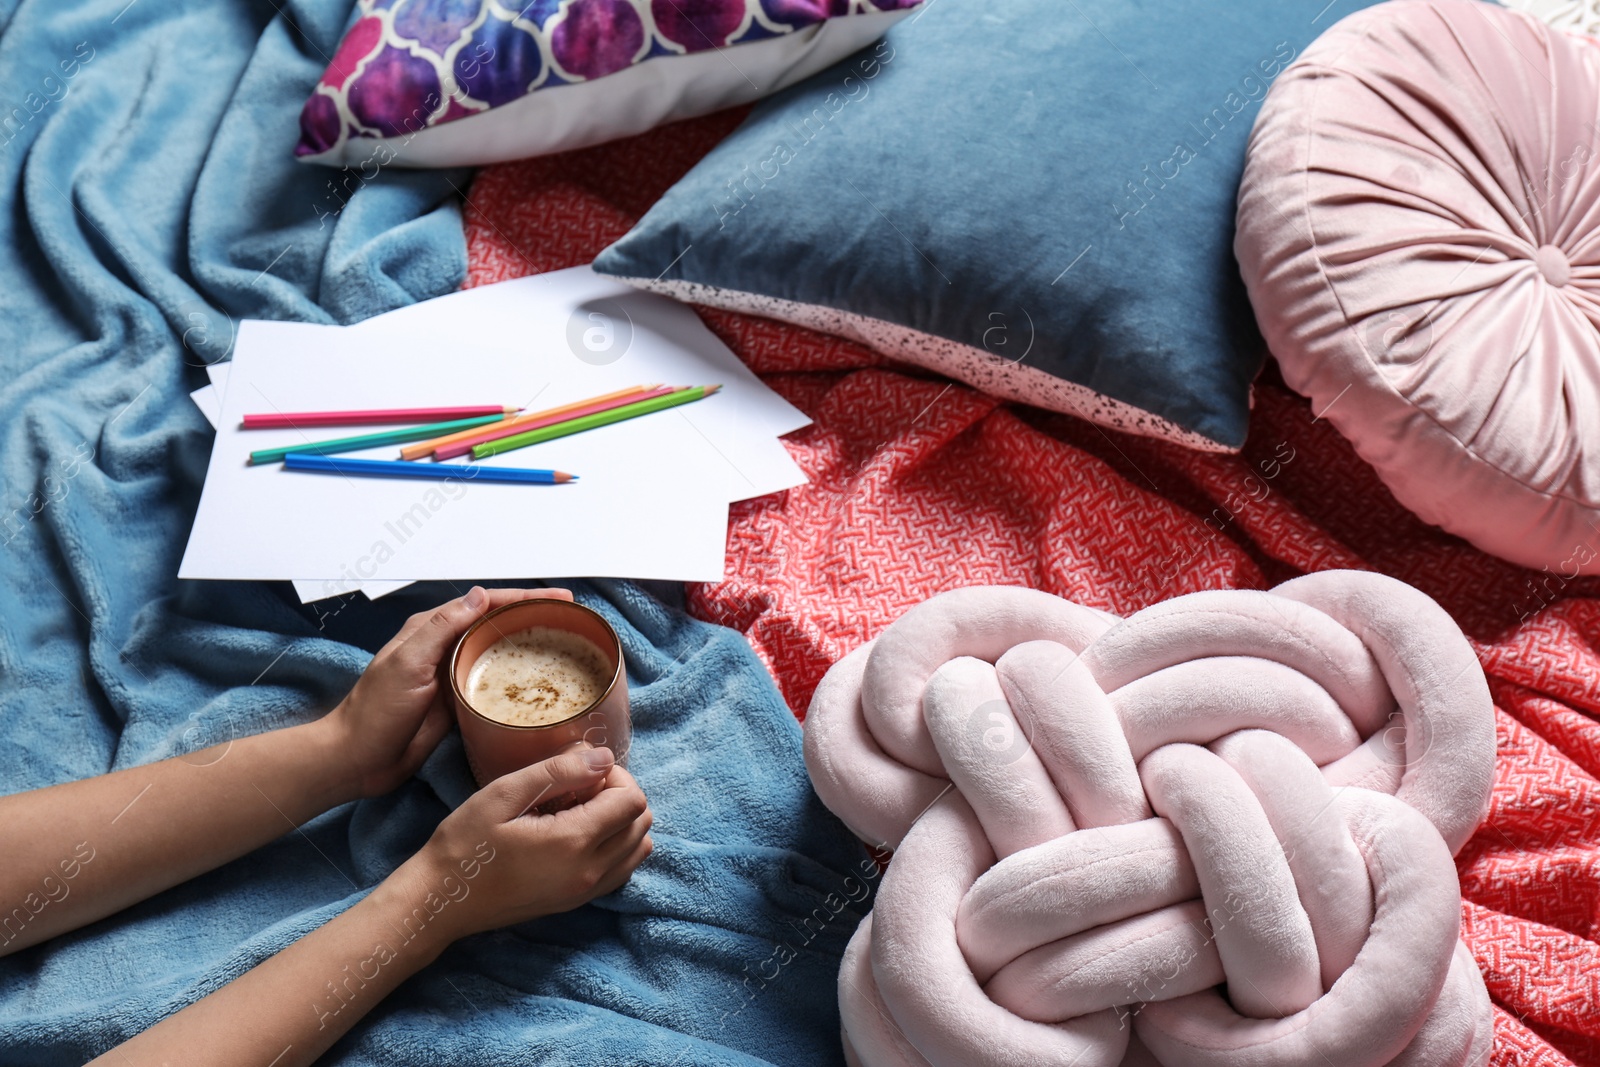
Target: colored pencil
[(590, 422), (399, 468), (506, 429), (369, 440), (424, 448), (279, 420)]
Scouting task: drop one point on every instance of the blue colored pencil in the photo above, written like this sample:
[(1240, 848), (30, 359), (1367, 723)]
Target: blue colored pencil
[(393, 468)]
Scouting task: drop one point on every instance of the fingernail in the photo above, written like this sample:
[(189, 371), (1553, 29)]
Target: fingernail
[(598, 759), (475, 598)]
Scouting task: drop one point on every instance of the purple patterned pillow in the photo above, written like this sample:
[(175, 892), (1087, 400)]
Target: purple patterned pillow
[(449, 82)]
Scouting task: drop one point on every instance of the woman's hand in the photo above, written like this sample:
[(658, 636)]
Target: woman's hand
[(494, 862), (399, 709), (487, 865)]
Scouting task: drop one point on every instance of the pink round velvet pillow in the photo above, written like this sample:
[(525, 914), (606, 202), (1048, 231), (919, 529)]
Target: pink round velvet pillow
[(1419, 230)]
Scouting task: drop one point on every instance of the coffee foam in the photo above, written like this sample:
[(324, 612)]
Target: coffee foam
[(537, 676)]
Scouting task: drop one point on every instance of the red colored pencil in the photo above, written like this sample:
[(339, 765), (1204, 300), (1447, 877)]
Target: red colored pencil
[(279, 420), (495, 431)]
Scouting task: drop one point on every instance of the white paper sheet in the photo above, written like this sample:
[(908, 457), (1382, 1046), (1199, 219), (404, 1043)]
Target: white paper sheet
[(378, 590), (617, 335), (651, 501), (210, 404), (310, 590), (208, 398), (572, 326)]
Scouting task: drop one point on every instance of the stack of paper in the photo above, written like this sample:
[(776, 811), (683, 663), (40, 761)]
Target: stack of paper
[(652, 494)]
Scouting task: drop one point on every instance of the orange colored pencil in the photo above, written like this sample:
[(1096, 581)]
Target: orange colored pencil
[(496, 430), (424, 448), (671, 398)]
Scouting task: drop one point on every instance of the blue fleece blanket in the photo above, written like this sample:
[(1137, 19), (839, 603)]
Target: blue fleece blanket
[(150, 203)]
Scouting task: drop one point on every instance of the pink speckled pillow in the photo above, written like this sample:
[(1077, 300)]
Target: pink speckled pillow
[(1419, 230)]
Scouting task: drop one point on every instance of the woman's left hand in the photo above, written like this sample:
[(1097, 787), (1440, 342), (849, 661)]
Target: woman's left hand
[(398, 711)]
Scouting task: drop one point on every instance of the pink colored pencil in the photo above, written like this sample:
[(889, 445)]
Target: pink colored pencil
[(499, 430), (279, 420)]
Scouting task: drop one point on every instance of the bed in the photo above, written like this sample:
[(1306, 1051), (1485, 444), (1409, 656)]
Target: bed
[(147, 219), (919, 485)]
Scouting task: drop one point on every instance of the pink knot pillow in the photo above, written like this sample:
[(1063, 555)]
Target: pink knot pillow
[(1419, 231), (1215, 834)]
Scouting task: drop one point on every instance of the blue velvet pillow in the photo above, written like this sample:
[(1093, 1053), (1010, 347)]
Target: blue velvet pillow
[(1035, 197)]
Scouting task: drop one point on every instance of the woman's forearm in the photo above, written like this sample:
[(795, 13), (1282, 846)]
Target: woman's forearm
[(292, 1007), (488, 864), (82, 850), (74, 853)]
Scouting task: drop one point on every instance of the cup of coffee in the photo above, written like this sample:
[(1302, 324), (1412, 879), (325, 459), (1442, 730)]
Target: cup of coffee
[(533, 678)]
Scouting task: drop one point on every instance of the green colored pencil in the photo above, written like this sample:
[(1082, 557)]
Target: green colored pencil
[(372, 440), (590, 422)]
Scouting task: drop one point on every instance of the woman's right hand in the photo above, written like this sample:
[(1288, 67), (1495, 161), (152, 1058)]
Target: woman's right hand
[(488, 864), (494, 861)]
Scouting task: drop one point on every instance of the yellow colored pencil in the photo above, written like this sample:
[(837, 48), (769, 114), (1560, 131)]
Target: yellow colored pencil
[(426, 448)]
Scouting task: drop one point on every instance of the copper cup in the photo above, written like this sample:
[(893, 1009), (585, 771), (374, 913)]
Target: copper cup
[(495, 748)]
